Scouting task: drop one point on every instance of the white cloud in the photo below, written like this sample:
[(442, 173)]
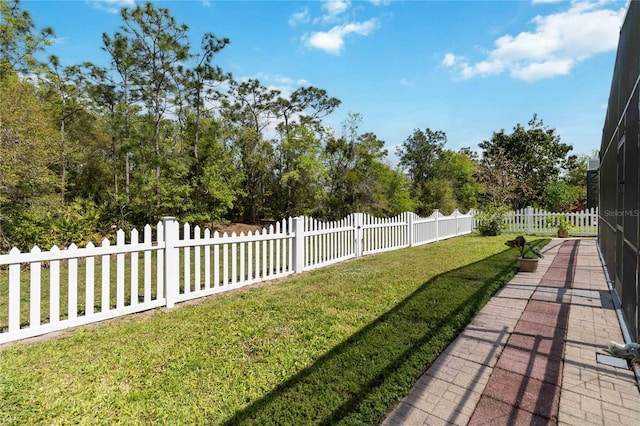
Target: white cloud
[(332, 41), (333, 11), (407, 83), (483, 68), (539, 70), (111, 6), (282, 82), (299, 17), (335, 7), (57, 41), (559, 42), (380, 2), (449, 60)]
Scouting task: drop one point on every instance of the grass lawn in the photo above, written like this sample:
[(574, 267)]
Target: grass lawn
[(340, 344)]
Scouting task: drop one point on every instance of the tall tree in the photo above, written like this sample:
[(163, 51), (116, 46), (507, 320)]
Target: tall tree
[(458, 170), (247, 112), (535, 154), (359, 178), (301, 172), (20, 40), (497, 181), (308, 104), (200, 95), (62, 88), (300, 138), (220, 182), (569, 192), (420, 154), (114, 90), (27, 141), (250, 104), (199, 85), (158, 46)]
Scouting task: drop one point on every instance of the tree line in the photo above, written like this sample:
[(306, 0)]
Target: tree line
[(162, 130)]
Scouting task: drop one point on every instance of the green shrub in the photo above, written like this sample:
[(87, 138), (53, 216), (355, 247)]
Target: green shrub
[(491, 221), (51, 223)]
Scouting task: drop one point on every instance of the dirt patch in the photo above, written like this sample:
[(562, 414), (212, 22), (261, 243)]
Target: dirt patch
[(235, 227)]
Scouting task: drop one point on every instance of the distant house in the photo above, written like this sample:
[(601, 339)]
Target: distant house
[(618, 175)]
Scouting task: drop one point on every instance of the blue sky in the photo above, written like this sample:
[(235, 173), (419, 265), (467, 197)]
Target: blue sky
[(465, 67)]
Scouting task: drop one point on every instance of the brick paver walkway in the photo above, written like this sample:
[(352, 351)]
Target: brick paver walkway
[(529, 357)]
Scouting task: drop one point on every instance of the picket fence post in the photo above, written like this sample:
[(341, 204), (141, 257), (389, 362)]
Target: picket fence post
[(436, 213), (529, 219), (358, 219), (457, 222), (14, 294), (298, 244), (409, 229), (171, 260), (472, 213)]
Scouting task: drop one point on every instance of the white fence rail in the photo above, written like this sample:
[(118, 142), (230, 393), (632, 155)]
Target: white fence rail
[(535, 221), (45, 291)]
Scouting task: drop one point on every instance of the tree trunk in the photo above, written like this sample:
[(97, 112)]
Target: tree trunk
[(156, 146), (115, 164), (63, 162), (126, 175)]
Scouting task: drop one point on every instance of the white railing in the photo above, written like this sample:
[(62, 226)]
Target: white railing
[(45, 291), (536, 221)]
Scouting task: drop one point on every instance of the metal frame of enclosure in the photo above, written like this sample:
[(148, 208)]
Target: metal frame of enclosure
[(619, 176)]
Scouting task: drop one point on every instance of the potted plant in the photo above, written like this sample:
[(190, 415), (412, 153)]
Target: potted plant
[(527, 263), (561, 222), (563, 226)]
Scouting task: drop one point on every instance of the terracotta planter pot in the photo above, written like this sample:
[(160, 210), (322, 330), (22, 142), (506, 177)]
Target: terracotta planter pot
[(528, 265), (563, 233)]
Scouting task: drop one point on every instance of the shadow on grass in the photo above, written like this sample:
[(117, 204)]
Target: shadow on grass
[(361, 378)]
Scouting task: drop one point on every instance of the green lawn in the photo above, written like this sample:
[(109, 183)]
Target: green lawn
[(340, 344)]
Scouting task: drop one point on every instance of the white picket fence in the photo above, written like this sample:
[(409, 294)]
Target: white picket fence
[(536, 221), (46, 291)]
